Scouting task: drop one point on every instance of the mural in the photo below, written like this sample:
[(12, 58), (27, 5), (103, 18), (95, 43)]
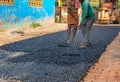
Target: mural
[(21, 10)]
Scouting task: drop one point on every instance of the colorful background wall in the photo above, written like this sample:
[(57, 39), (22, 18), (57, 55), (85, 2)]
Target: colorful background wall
[(119, 4), (21, 10)]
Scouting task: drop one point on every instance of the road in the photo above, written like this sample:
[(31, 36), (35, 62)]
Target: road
[(39, 59)]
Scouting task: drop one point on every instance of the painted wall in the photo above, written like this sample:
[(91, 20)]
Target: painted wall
[(21, 11), (118, 4)]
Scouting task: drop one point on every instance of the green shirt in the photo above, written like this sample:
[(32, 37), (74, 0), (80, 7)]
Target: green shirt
[(88, 11)]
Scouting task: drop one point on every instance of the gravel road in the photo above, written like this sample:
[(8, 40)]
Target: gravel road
[(39, 59)]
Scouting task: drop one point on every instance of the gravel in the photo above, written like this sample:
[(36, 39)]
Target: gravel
[(39, 59)]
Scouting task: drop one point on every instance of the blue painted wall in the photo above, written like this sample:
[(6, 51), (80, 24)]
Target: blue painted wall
[(21, 10)]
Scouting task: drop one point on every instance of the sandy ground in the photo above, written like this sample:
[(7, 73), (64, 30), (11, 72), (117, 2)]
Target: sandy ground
[(16, 34), (107, 69)]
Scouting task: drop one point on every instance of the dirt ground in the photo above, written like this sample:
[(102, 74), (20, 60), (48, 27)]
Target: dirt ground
[(16, 34), (107, 69)]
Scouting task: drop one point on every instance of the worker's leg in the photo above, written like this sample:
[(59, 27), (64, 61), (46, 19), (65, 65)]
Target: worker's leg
[(86, 29), (74, 33), (68, 33)]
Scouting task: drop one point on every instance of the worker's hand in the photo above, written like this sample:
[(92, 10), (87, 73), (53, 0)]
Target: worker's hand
[(80, 26), (75, 27)]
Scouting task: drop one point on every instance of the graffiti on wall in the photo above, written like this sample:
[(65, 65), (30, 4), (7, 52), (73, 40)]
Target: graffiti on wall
[(21, 10), (10, 2), (36, 3)]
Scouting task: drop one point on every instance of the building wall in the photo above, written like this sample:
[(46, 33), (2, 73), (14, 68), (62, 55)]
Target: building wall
[(21, 10), (118, 4)]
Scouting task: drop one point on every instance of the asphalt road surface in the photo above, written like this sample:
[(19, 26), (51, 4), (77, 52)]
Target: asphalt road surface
[(39, 59)]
